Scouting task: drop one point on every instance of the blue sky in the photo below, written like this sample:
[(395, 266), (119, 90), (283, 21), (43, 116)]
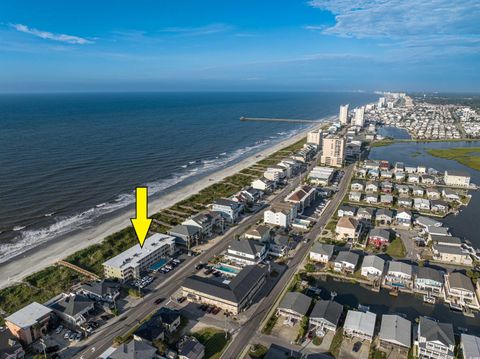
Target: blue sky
[(163, 45)]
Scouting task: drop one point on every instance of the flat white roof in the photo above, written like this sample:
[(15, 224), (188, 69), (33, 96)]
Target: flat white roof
[(132, 256), (29, 315), (360, 322)]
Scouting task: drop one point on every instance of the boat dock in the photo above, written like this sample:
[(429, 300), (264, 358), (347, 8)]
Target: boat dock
[(266, 119)]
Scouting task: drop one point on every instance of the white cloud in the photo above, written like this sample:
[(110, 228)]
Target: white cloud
[(196, 31), (401, 18), (69, 39)]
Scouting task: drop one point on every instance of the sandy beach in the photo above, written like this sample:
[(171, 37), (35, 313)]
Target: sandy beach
[(50, 252)]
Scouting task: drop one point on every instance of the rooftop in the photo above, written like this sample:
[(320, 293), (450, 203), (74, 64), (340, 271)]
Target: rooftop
[(328, 310), (29, 315), (360, 322), (396, 329), (297, 302)]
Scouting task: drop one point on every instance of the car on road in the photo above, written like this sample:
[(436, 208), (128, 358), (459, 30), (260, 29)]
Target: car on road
[(159, 300), (199, 266)]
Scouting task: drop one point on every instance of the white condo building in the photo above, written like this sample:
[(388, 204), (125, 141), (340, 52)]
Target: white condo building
[(343, 115), (359, 116)]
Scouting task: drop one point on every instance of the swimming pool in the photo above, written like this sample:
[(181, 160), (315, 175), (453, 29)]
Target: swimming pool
[(158, 265), (228, 269)]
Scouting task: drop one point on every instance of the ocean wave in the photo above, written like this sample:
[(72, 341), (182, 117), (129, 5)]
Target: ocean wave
[(28, 239), (18, 228)]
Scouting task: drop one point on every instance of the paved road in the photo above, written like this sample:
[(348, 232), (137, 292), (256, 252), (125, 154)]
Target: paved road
[(103, 338), (252, 326)]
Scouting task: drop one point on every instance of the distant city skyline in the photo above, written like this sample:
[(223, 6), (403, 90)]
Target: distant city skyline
[(213, 45)]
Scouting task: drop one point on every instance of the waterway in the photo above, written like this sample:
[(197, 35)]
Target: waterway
[(412, 306), (394, 132)]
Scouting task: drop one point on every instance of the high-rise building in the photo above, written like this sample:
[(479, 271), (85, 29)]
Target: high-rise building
[(381, 102), (343, 115), (333, 151), (315, 137), (359, 116)]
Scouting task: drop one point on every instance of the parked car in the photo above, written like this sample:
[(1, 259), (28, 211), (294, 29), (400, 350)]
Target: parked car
[(181, 299), (357, 346), (67, 334)]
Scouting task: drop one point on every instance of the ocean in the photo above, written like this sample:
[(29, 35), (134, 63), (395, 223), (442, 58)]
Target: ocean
[(69, 160)]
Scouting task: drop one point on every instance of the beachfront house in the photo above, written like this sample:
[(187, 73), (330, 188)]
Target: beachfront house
[(399, 167), (321, 252), (246, 252), (456, 178), (208, 222), (326, 315), (399, 275), (263, 184), (429, 281), (435, 340), (459, 291), (72, 308), (395, 334), (186, 235), (378, 237), (404, 218), (294, 306), (348, 227), (360, 325), (372, 267), (29, 323), (230, 210), (384, 216), (439, 206), (103, 291), (410, 169), (346, 262), (280, 214), (427, 222)]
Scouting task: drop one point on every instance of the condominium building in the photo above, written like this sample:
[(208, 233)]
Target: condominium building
[(130, 263), (333, 151), (359, 116), (343, 115), (315, 137)]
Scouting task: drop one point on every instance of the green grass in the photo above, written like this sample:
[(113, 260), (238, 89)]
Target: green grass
[(468, 156), (267, 329), (377, 354), (382, 143), (38, 287), (396, 249), (258, 351), (214, 341)]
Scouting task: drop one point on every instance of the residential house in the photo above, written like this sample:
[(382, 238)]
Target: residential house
[(427, 222), (448, 249), (450, 195), (246, 252), (294, 306), (427, 179), (379, 237), (10, 347), (371, 164), (459, 291), (360, 325), (361, 172), (134, 349), (384, 216), (373, 267), (346, 262), (402, 190), (191, 348), (321, 252), (429, 281), (433, 193), (163, 321), (386, 199), (439, 206), (365, 214), (399, 275), (436, 231), (421, 204), (395, 334), (435, 340), (371, 187), (405, 202), (279, 245), (29, 323), (400, 176), (260, 233), (186, 235), (326, 315), (355, 196), (371, 198), (72, 308), (418, 191), (345, 210), (208, 222), (404, 218), (470, 346), (229, 209), (105, 290), (456, 178), (263, 184), (348, 227), (384, 165), (302, 197), (280, 214), (399, 166), (410, 169), (386, 187), (386, 174), (357, 186), (275, 173), (413, 178), (421, 169)]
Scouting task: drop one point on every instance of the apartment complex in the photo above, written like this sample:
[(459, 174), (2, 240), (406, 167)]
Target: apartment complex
[(333, 151), (130, 263)]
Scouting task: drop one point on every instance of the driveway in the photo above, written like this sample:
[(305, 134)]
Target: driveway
[(346, 349)]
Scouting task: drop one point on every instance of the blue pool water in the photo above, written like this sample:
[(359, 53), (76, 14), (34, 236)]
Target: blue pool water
[(228, 269), (158, 265)]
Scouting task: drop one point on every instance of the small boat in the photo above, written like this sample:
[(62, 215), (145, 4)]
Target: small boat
[(363, 308), (428, 299)]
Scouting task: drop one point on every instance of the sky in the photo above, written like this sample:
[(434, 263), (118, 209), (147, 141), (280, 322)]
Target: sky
[(248, 45)]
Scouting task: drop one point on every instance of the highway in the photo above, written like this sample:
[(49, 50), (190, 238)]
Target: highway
[(241, 340), (101, 340)]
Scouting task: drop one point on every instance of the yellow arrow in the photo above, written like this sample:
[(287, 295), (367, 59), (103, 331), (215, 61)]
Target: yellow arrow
[(141, 222)]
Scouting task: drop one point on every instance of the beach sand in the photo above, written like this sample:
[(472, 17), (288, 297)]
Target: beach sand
[(49, 253)]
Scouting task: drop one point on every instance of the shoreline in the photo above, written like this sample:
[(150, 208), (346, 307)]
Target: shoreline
[(46, 254)]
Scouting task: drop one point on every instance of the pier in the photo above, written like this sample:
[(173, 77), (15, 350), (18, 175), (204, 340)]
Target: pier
[(267, 119)]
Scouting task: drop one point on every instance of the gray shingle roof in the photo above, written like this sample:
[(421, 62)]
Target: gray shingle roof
[(396, 266), (72, 304), (396, 329), (459, 280), (373, 261), (349, 257), (379, 232), (102, 288), (470, 346), (184, 230), (323, 249), (360, 322), (134, 349), (297, 302), (192, 349), (246, 246), (429, 273), (328, 310), (433, 331)]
